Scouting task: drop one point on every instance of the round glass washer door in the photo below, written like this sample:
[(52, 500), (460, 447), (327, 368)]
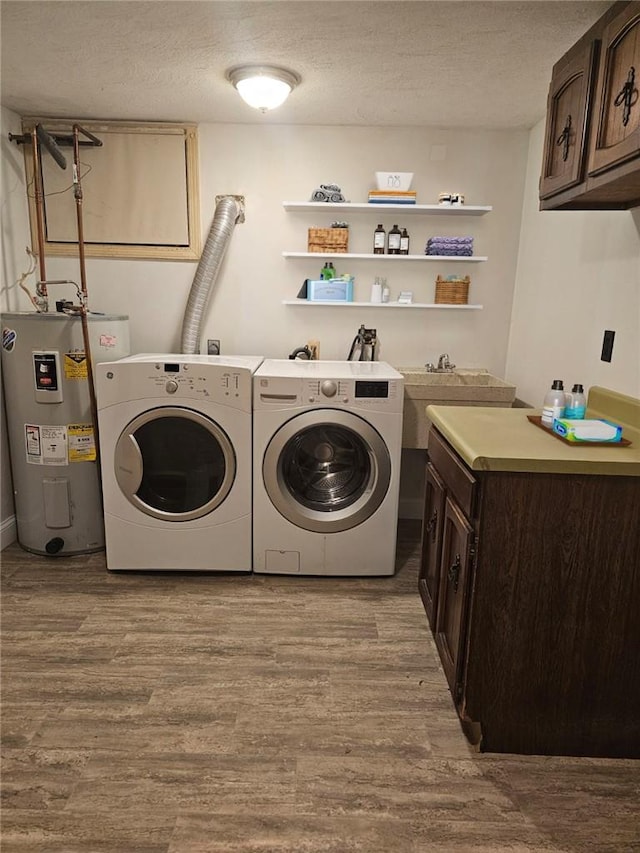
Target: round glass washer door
[(174, 463), (326, 470)]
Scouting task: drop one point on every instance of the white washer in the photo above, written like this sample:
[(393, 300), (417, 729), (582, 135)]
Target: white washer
[(326, 456), (175, 445)]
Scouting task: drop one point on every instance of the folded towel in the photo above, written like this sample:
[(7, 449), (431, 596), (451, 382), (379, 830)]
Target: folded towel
[(462, 241), (452, 246), (455, 251)]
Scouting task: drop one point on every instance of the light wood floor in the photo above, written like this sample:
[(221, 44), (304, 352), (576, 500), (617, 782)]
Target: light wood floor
[(162, 713)]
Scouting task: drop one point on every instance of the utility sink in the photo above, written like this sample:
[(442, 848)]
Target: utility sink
[(461, 387)]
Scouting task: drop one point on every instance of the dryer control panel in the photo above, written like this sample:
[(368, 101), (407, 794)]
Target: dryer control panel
[(175, 380)]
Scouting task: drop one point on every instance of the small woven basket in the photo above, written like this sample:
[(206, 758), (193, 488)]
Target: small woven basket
[(452, 292), (328, 240)]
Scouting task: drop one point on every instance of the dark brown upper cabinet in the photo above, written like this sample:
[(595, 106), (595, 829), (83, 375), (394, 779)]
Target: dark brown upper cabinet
[(591, 157), (566, 132), (617, 106)]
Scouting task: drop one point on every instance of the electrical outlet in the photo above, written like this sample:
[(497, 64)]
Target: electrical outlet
[(607, 345), (314, 346), (213, 347)]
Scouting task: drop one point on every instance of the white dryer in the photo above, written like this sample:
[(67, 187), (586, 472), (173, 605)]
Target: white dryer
[(175, 447), (327, 451)]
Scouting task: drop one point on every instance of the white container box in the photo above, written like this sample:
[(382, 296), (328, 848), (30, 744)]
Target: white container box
[(394, 180)]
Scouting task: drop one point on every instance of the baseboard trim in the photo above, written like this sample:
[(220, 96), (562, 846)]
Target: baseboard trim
[(8, 532)]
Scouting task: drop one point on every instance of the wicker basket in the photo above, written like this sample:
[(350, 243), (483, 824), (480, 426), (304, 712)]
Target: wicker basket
[(452, 292), (328, 240)]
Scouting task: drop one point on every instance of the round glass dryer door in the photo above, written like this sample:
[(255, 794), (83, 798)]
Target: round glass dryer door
[(326, 470), (174, 463)]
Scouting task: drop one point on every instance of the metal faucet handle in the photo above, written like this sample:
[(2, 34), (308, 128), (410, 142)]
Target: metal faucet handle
[(430, 367)]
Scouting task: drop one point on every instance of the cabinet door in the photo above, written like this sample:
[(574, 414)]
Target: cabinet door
[(432, 523), (564, 158), (457, 540), (617, 108)]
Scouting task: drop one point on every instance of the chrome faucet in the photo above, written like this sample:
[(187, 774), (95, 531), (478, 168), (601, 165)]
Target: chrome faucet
[(444, 365)]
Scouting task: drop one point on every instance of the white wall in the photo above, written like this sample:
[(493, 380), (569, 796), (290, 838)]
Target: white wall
[(270, 164), (578, 274)]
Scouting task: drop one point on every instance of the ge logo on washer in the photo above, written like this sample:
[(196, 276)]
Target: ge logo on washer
[(8, 339)]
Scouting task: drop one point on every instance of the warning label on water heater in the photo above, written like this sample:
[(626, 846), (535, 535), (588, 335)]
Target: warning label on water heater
[(75, 365), (59, 445), (82, 445), (46, 445)]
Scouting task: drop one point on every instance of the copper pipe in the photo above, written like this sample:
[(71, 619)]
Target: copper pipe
[(93, 140), (77, 192), (39, 199)]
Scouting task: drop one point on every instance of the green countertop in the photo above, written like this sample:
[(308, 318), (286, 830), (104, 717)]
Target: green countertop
[(491, 439)]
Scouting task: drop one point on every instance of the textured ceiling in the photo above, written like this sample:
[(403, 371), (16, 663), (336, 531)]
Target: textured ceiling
[(418, 63)]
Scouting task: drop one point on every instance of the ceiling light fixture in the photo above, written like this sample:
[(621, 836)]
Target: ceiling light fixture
[(263, 87)]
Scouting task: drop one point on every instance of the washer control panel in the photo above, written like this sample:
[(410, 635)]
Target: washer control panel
[(285, 392), (349, 390)]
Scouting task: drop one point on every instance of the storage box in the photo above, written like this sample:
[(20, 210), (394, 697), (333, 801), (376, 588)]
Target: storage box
[(328, 240), (330, 290), (394, 180), (452, 291)]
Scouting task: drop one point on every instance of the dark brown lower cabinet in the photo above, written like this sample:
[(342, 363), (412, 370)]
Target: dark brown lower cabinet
[(431, 542), (457, 552), (537, 613)]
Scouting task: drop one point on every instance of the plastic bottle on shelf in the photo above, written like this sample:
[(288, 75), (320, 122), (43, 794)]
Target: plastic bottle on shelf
[(576, 403), (553, 404), (376, 290), (393, 244), (379, 240), (328, 271), (404, 242), (385, 290)]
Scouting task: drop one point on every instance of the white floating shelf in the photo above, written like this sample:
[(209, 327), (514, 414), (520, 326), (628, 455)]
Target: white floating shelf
[(341, 304), (372, 257), (353, 207)]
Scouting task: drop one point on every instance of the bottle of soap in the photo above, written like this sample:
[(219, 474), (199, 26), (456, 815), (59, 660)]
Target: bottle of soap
[(404, 242), (379, 240), (553, 403), (576, 403), (394, 241)]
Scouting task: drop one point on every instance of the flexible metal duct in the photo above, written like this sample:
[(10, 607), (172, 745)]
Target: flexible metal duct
[(228, 212)]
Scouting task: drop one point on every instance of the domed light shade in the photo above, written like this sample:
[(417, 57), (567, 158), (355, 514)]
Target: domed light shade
[(263, 87)]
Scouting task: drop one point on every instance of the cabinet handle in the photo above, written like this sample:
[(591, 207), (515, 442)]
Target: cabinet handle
[(565, 138), (431, 525), (625, 98), (454, 573)]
